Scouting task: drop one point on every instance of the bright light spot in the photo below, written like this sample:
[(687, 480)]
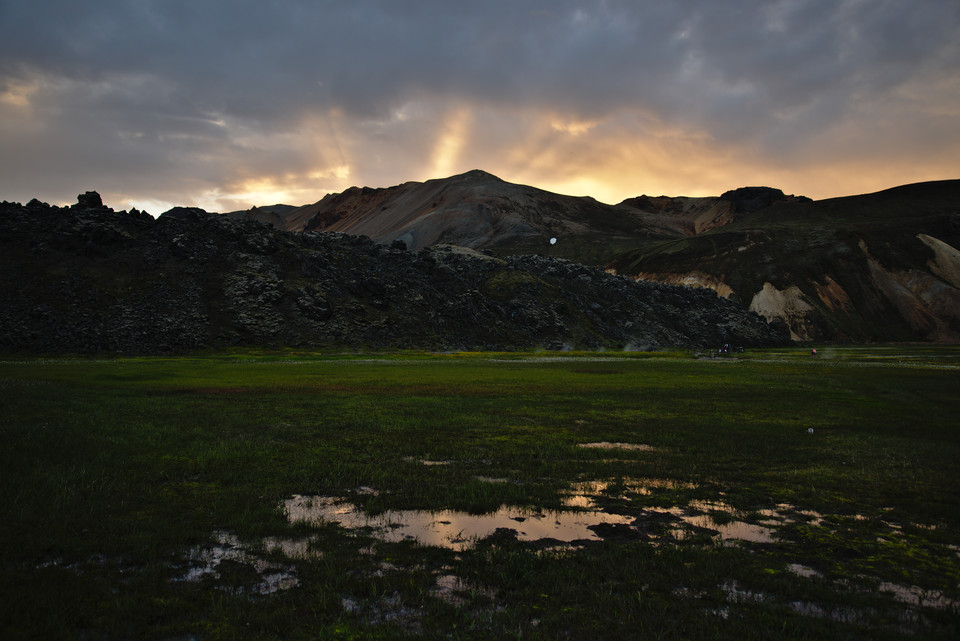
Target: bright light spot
[(289, 189), (340, 172), (553, 241), (446, 151), (18, 94), (573, 127), (149, 205)]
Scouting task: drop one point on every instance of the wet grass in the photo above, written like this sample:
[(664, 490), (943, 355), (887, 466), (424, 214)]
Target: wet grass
[(122, 476)]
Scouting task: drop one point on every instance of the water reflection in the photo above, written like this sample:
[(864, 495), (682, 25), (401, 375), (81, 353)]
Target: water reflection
[(604, 445), (449, 528), (582, 520), (207, 561), (716, 517)]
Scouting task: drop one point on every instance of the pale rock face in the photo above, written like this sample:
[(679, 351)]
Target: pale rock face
[(946, 262), (833, 295), (690, 279), (928, 304), (789, 305)]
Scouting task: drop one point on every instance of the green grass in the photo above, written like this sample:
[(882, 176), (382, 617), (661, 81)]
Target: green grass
[(117, 472)]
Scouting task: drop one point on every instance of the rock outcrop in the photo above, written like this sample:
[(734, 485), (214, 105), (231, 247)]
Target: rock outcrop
[(86, 279), (881, 267)]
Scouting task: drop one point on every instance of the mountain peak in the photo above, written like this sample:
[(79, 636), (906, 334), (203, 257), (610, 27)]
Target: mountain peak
[(750, 199), (476, 174)]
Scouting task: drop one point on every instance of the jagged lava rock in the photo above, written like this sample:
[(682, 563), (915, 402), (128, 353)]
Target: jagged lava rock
[(87, 279)]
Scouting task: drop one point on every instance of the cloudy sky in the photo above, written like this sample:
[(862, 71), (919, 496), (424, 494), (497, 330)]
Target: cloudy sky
[(226, 104)]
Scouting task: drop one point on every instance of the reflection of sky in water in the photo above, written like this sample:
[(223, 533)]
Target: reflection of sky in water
[(206, 560), (459, 530), (450, 529), (728, 531)]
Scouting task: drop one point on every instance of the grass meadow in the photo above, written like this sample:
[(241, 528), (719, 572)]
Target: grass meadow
[(277, 495)]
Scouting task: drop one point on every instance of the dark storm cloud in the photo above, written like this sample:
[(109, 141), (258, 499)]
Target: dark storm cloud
[(167, 96)]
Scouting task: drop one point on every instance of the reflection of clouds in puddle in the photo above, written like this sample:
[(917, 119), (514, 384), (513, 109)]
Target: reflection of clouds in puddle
[(388, 608), (842, 614), (604, 445), (784, 512), (491, 479), (581, 522), (207, 561), (917, 596), (449, 528), (910, 595), (803, 571), (455, 591), (292, 548), (427, 462), (726, 531), (580, 494), (717, 517), (449, 588)]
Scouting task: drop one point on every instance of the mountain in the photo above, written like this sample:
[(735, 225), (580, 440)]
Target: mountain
[(478, 210), (874, 267), (475, 209), (87, 279)]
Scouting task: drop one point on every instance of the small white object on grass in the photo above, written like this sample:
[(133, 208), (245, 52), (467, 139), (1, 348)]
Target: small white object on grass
[(809, 430), (553, 241)]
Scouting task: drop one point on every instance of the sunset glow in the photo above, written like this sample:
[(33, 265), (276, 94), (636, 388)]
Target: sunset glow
[(260, 104)]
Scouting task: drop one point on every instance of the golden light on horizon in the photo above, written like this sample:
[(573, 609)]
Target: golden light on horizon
[(450, 143)]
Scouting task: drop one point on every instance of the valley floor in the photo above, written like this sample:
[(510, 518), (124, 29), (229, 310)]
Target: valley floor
[(299, 495)]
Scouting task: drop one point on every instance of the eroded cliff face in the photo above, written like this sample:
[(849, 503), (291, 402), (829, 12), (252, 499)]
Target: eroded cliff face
[(929, 305), (787, 305), (945, 262), (87, 279), (920, 303), (877, 267)]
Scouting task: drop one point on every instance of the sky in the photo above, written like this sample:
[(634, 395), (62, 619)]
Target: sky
[(229, 104)]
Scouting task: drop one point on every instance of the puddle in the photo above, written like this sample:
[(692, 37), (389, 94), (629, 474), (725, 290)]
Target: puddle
[(455, 591), (491, 479), (803, 571), (389, 608), (704, 515), (580, 493), (784, 512), (450, 589), (210, 560), (604, 445), (426, 462), (917, 596), (844, 614), (584, 520), (292, 548), (449, 528)]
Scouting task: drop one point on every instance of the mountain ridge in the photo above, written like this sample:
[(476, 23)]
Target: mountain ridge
[(88, 279), (851, 268)]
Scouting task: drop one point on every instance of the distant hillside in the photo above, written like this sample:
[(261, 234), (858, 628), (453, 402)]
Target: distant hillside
[(86, 279), (877, 267), (475, 209)]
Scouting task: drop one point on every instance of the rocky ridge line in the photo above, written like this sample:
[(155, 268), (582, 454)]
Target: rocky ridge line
[(87, 279)]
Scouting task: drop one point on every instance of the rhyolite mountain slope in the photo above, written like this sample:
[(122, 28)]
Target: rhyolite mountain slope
[(87, 279), (876, 267), (475, 209)]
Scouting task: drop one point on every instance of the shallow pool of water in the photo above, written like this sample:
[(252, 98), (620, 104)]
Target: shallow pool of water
[(449, 528)]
